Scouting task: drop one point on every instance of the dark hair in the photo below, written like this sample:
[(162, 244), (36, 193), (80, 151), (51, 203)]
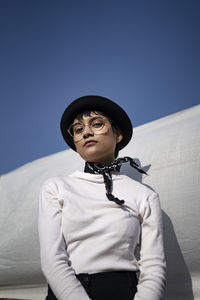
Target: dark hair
[(114, 126)]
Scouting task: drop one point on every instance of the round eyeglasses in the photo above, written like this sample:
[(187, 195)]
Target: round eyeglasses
[(97, 125)]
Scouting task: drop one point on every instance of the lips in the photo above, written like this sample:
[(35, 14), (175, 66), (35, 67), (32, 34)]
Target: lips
[(90, 143)]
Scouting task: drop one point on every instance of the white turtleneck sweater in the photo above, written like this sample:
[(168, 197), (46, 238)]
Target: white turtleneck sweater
[(81, 231)]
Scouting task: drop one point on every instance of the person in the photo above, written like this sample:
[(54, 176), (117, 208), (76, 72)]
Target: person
[(91, 223)]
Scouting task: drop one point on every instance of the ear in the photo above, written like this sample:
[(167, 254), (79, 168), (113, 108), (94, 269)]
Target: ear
[(119, 137)]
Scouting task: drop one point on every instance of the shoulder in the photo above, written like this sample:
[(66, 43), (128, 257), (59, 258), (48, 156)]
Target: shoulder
[(55, 182), (60, 182), (138, 187), (139, 196)]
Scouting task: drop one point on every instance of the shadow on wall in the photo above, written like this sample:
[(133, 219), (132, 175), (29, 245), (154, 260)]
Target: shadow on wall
[(179, 283)]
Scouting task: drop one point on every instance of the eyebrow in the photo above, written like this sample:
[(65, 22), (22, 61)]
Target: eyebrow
[(90, 120)]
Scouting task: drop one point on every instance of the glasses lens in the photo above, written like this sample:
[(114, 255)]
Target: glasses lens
[(76, 129), (98, 126)]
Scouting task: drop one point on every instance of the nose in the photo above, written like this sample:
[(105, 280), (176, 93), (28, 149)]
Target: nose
[(87, 131)]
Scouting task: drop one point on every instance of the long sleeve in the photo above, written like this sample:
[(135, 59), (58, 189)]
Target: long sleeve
[(54, 257), (152, 258)]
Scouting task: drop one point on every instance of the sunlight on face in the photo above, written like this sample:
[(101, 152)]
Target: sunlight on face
[(93, 145)]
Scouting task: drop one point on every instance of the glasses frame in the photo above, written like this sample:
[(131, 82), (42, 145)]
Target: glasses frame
[(89, 124)]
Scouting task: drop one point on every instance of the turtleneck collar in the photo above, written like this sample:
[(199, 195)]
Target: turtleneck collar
[(105, 170)]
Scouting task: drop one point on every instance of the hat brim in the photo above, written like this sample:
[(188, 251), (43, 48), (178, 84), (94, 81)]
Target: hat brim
[(96, 103)]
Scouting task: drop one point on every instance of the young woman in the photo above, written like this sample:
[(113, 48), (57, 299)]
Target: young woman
[(91, 223)]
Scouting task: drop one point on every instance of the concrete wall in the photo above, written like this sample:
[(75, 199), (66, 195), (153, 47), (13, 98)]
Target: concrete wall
[(169, 150)]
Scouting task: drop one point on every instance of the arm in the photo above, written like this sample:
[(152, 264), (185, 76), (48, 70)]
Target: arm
[(54, 257), (152, 259)]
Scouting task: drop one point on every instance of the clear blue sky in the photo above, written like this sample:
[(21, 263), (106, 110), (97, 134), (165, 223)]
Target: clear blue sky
[(143, 54)]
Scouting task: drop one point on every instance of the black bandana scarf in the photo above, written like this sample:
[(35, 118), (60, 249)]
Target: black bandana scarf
[(106, 170)]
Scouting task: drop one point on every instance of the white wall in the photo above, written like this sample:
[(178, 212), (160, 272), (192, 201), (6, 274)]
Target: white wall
[(169, 149)]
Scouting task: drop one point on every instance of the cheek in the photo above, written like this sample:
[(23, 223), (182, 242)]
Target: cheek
[(110, 142), (78, 148)]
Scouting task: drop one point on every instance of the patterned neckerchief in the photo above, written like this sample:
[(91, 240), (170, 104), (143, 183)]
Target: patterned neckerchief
[(106, 170)]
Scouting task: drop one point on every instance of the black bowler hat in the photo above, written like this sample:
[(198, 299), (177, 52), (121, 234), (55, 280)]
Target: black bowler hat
[(101, 104)]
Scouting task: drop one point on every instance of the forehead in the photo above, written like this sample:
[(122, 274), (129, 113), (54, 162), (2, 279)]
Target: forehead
[(87, 115)]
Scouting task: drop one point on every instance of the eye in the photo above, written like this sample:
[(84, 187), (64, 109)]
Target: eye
[(78, 130), (98, 123)]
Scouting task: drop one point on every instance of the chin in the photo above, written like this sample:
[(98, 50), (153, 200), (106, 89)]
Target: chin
[(92, 155)]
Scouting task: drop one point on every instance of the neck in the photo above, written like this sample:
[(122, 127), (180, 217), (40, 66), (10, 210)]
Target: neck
[(103, 162)]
